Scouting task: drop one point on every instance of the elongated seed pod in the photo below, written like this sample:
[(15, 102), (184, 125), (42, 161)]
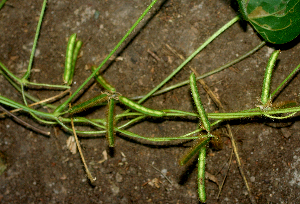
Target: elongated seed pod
[(88, 104), (110, 123), (140, 108), (74, 59), (69, 59), (201, 174), (100, 79), (265, 95), (198, 103), (193, 150)]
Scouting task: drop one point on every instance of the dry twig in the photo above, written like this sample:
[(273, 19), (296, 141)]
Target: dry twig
[(22, 122)]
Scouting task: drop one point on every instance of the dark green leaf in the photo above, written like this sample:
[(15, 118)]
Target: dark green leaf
[(277, 21)]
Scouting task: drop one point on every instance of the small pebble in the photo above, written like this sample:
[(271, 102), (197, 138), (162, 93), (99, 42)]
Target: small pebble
[(119, 177), (286, 132), (115, 189)]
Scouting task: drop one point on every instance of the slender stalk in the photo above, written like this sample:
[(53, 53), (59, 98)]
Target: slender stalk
[(11, 75), (88, 133), (47, 85), (36, 37), (25, 82), (40, 102), (209, 40), (285, 80), (14, 104), (175, 86), (153, 139)]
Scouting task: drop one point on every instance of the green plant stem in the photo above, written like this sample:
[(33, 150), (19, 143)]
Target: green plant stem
[(11, 75), (27, 74), (25, 93), (84, 120), (60, 108), (34, 116), (234, 115), (89, 133), (153, 139), (218, 116), (227, 116), (48, 85), (206, 74), (122, 115), (103, 122), (209, 40), (14, 104), (285, 80), (135, 120), (42, 120), (25, 82), (223, 116)]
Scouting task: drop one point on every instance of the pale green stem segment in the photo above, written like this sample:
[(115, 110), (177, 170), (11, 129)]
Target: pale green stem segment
[(75, 55), (142, 109), (82, 120), (265, 95), (201, 174), (69, 59), (193, 150), (25, 93), (27, 74), (285, 80), (8, 73), (153, 139), (110, 123), (63, 105), (100, 79), (25, 82), (198, 103), (14, 104), (183, 83)]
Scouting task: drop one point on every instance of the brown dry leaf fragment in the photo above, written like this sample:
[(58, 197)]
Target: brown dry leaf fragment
[(212, 178), (71, 145), (104, 157)]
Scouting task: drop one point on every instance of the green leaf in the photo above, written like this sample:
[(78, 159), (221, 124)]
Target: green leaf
[(277, 21)]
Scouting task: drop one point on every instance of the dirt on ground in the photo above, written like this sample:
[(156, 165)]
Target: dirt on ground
[(42, 169)]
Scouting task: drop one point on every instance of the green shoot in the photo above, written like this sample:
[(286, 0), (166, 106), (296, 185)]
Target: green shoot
[(27, 74), (265, 95)]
